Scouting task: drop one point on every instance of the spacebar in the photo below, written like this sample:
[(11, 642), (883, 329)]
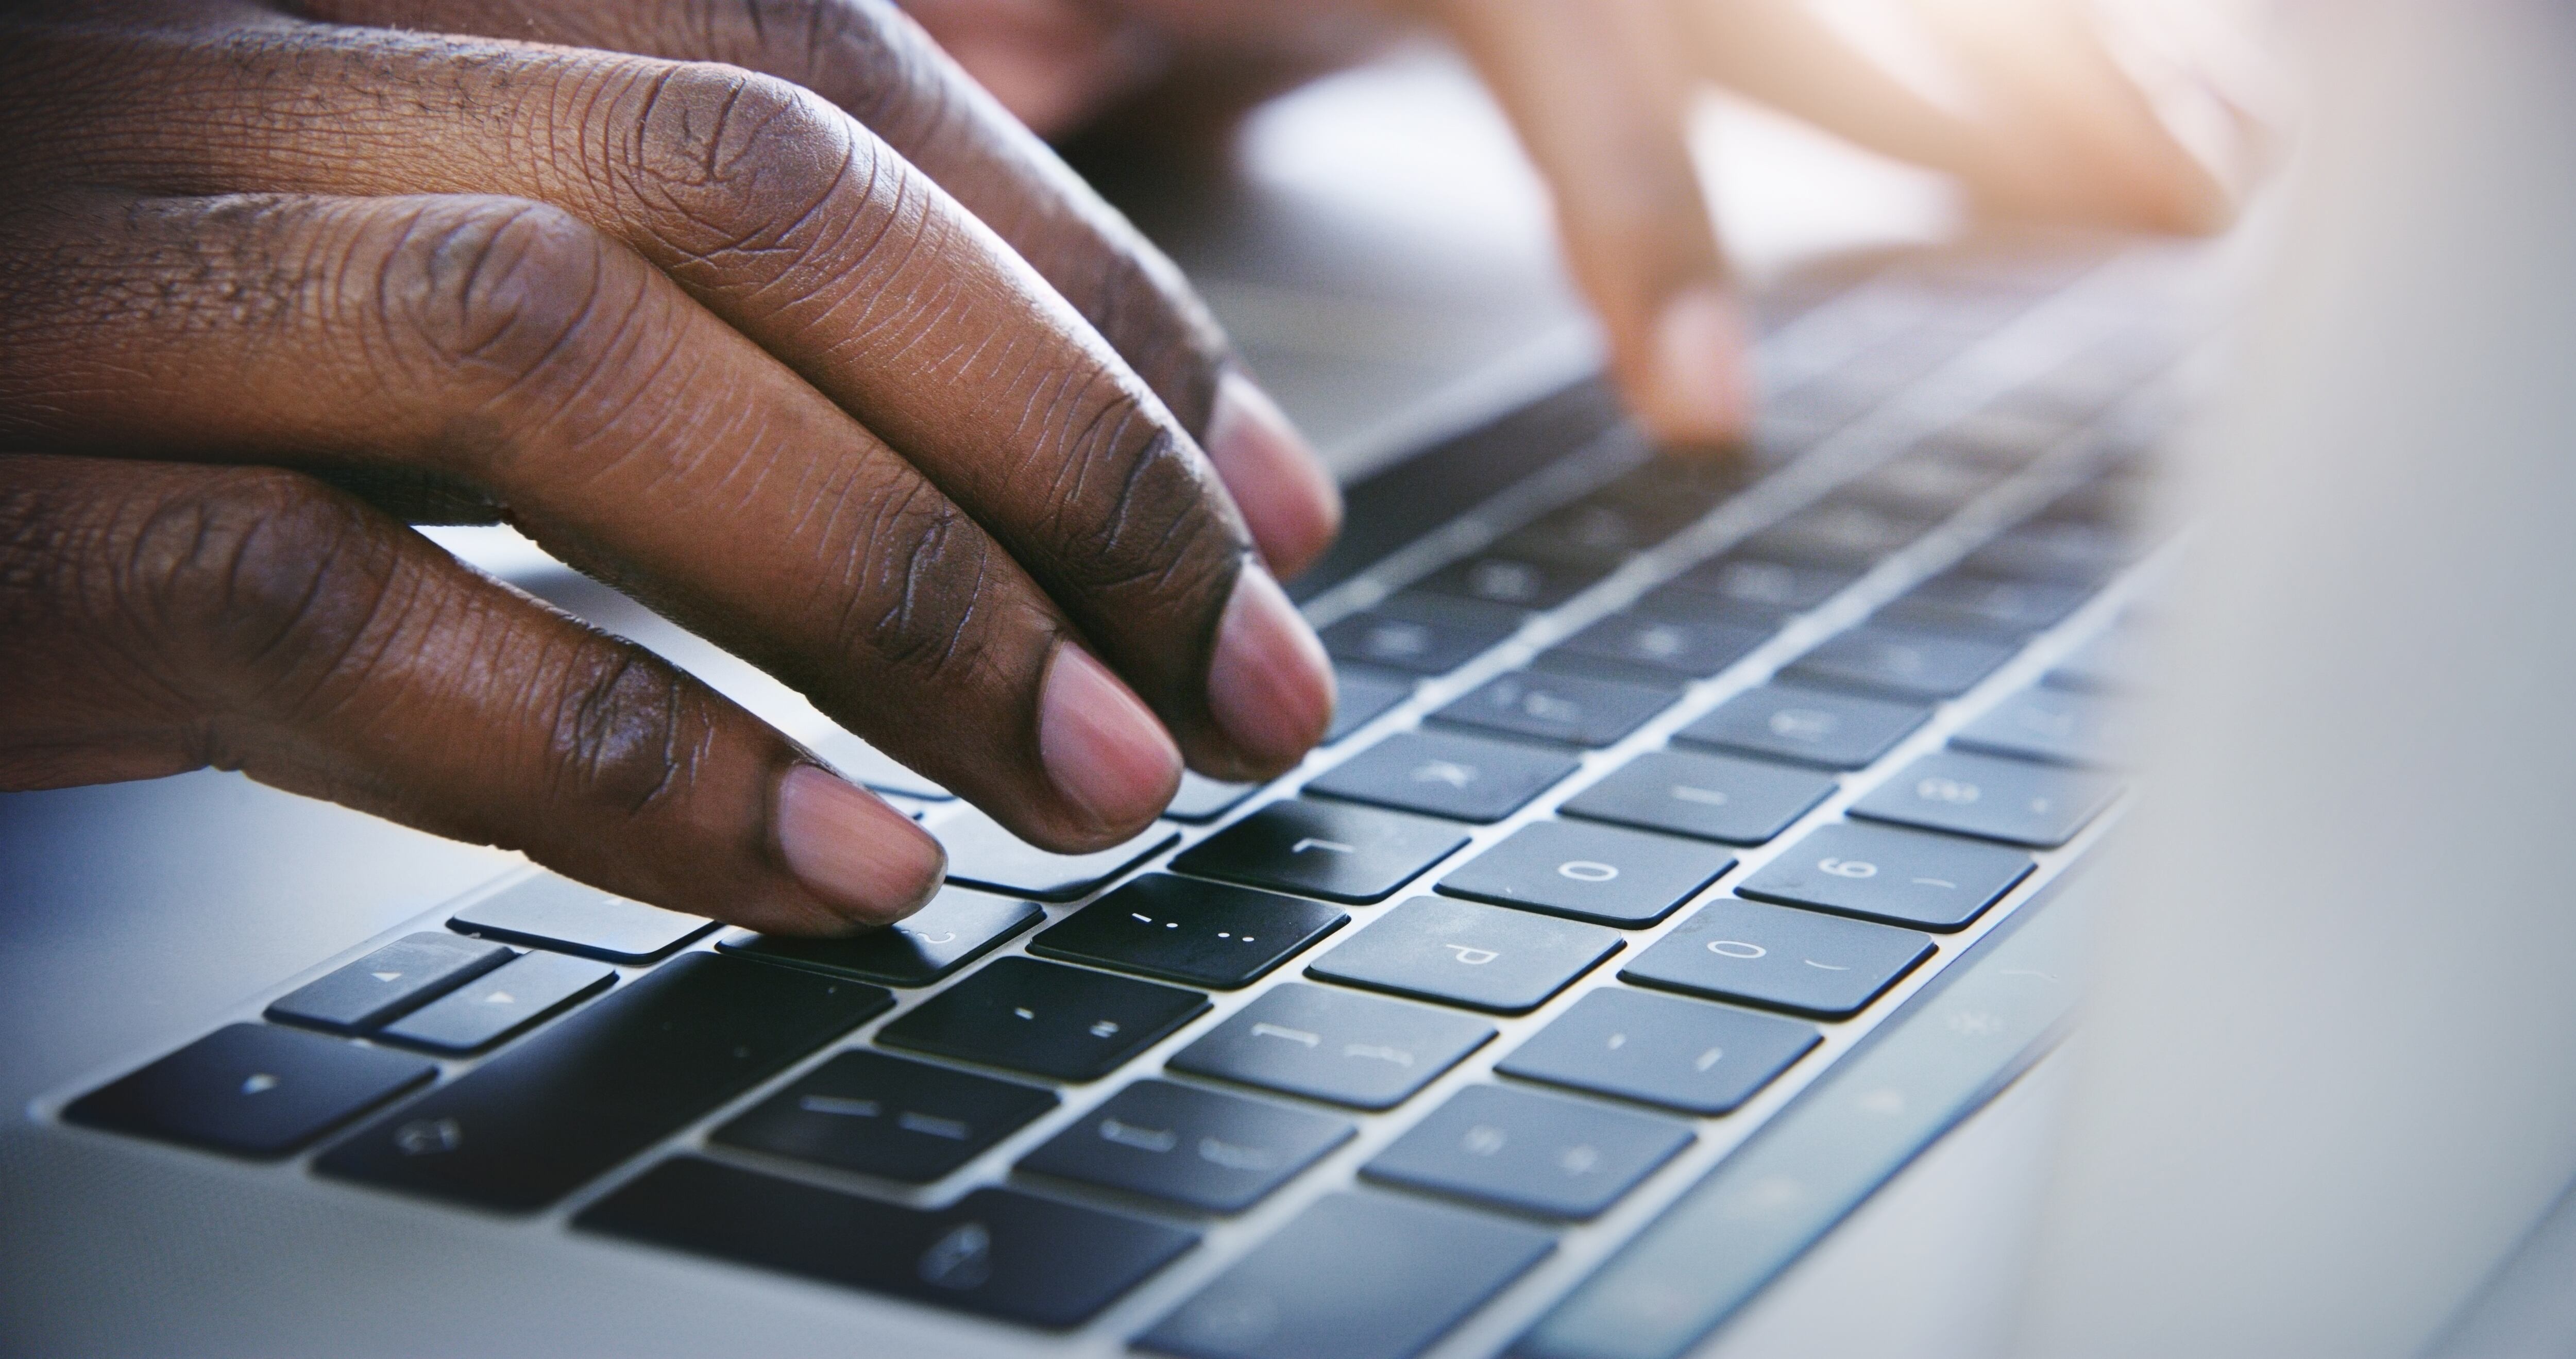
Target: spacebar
[(1934, 1062)]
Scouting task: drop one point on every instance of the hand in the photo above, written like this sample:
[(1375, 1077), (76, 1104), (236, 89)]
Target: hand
[(2045, 124), (848, 374)]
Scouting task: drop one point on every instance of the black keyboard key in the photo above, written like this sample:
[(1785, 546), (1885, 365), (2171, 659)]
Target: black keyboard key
[(407, 972), (1355, 1276), (1781, 957), (1929, 881), (1334, 1045), (1420, 634), (2054, 726), (1319, 849), (1958, 602), (250, 1089), (1045, 1019), (994, 1253), (540, 1120), (563, 915), (956, 928), (1991, 799), (1202, 799), (501, 1003), (1466, 953), (1921, 487), (1662, 1050), (1603, 874), (1522, 582), (1849, 535), (1196, 933), (885, 1116), (1657, 650), (1750, 584), (1573, 709), (1810, 726), (1900, 661), (1597, 531), (2064, 551), (1709, 797), (1528, 1152), (1462, 777), (1202, 1148), (1360, 695), (982, 854)]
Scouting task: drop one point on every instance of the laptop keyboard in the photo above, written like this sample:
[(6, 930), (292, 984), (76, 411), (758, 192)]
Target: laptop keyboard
[(1664, 800)]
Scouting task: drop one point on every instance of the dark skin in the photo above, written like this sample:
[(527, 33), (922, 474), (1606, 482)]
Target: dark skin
[(848, 374)]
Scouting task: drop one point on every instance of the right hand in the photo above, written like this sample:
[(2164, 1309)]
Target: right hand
[(848, 374)]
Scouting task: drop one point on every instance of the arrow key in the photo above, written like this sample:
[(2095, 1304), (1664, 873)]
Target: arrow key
[(502, 1003), (403, 974)]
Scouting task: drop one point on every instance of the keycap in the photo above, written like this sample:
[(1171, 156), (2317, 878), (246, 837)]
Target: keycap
[(2069, 553), (1465, 778), (1845, 534), (1902, 662), (250, 1089), (1420, 634), (1338, 1046), (1360, 696), (1678, 1054), (1202, 799), (541, 1119), (1573, 709), (1320, 849), (1959, 602), (1711, 797), (982, 854), (1532, 1153), (865, 764), (1991, 799), (1654, 649), (1929, 881), (956, 928), (886, 1116), (501, 1003), (1582, 871), (1196, 933), (1354, 1276), (1466, 953), (1201, 1148), (563, 915), (1921, 487), (1810, 726), (1521, 581), (1046, 1019), (2054, 726), (1781, 957), (995, 1253), (1750, 583), (405, 973)]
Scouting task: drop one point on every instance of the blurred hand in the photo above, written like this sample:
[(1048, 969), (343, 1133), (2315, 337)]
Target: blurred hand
[(2041, 122), (816, 349)]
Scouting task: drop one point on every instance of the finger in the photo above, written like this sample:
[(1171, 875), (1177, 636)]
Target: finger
[(161, 618), (874, 61), (807, 234), (500, 344), (1594, 92)]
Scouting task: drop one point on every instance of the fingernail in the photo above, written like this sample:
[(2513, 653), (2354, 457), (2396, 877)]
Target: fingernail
[(1102, 747), (862, 857), (1270, 686), (1288, 500), (1703, 368)]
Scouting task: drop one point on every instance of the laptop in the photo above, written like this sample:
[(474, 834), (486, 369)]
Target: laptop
[(1693, 849)]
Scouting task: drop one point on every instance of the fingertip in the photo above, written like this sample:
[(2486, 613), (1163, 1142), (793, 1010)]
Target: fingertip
[(1103, 749), (866, 861), (1699, 378), (1270, 685), (1289, 501)]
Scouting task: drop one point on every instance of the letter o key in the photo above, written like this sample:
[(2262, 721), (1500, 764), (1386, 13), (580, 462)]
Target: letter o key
[(1586, 870), (1736, 948)]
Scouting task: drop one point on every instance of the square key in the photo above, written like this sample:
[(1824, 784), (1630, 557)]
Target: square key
[(1321, 849), (251, 1089), (1522, 582), (1991, 799), (1764, 586), (1464, 953), (1930, 881), (1781, 957), (1846, 534), (1666, 650), (1810, 726), (1662, 1050), (1202, 1148), (956, 928), (1710, 797), (1523, 1151), (1045, 1019), (887, 1116), (564, 915), (407, 972), (1334, 1045), (1360, 695), (1961, 602), (1900, 661), (1583, 871), (1575, 709), (1184, 930), (1420, 634), (501, 1003), (1465, 778), (2055, 727), (982, 854)]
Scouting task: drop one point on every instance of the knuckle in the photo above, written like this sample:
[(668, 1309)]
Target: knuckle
[(735, 167), (926, 584), (501, 294), (626, 733), (1133, 507)]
